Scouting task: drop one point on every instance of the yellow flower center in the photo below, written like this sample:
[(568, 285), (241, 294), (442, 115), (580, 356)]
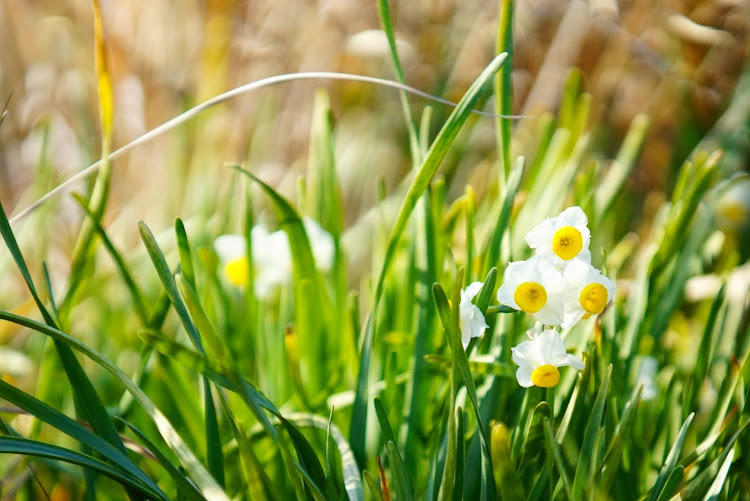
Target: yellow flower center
[(545, 376), (567, 242), (236, 271), (530, 297), (593, 298)]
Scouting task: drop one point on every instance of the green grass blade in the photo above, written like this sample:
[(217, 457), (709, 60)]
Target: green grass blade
[(532, 454), (671, 462), (135, 292), (198, 473), (18, 445), (183, 248), (587, 460), (57, 420), (554, 451), (450, 326), (352, 482), (670, 486), (504, 86), (167, 280), (503, 219), (620, 438), (88, 401), (714, 493), (398, 472), (184, 486)]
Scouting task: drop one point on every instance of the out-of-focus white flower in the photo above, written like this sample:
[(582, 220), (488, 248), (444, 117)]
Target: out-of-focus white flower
[(538, 360), (533, 286), (647, 378), (562, 238), (586, 292), (470, 318), (272, 257)]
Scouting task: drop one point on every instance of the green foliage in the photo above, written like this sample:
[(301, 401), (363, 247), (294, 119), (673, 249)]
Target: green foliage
[(240, 393)]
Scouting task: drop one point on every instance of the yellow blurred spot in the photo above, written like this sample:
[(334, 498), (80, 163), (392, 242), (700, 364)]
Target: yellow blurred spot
[(530, 297), (236, 271), (545, 376), (593, 298), (567, 242)]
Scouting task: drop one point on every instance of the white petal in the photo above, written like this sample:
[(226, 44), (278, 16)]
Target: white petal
[(505, 295), (527, 353), (321, 243), (473, 289), (551, 345), (523, 376), (570, 361), (229, 247), (541, 235)]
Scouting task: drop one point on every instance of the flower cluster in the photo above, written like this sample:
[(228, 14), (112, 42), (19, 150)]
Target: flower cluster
[(556, 286), (272, 257)]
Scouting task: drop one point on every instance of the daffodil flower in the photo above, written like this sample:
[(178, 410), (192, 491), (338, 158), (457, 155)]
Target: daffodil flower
[(533, 286), (470, 318), (562, 238), (540, 358), (586, 292), (272, 258)]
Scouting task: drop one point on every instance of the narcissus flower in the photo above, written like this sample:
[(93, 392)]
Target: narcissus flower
[(471, 321), (533, 286), (272, 258), (586, 292), (562, 238), (539, 360)]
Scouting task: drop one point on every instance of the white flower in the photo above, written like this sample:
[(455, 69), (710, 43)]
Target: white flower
[(538, 360), (533, 286), (586, 292), (272, 257), (647, 378), (562, 238), (470, 318)]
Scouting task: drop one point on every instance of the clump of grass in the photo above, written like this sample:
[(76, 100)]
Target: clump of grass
[(351, 380)]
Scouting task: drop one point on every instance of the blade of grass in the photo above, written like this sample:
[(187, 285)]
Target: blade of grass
[(200, 476), (88, 402), (587, 459), (504, 87), (60, 421), (18, 445), (671, 463)]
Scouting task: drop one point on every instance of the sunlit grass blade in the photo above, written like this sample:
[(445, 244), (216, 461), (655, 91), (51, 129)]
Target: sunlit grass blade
[(198, 474), (555, 452), (460, 362), (700, 485), (588, 458), (714, 492), (384, 13), (185, 488), (17, 445), (673, 481), (56, 419), (575, 410), (122, 268), (671, 462), (398, 472), (492, 249), (88, 401), (82, 261), (311, 469), (620, 438), (352, 482), (373, 486), (611, 185), (532, 455), (504, 87)]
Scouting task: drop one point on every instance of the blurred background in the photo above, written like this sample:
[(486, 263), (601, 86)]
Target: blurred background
[(679, 61)]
